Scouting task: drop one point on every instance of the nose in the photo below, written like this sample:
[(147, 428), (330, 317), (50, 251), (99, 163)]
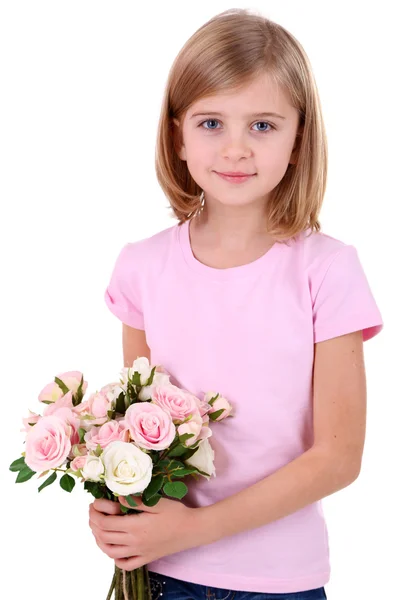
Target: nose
[(236, 147)]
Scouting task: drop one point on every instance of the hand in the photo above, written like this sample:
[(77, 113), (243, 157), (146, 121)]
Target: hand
[(136, 540)]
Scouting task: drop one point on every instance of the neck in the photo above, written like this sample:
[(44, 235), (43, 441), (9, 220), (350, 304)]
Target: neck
[(232, 227)]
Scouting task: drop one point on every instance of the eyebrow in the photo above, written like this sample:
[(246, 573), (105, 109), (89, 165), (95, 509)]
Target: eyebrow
[(255, 115)]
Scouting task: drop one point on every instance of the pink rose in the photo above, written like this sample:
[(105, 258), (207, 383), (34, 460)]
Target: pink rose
[(82, 409), (150, 426), (63, 409), (47, 444), (94, 410), (220, 403), (79, 450), (52, 392), (98, 406), (78, 463), (107, 433), (72, 380), (64, 401), (180, 404), (28, 422), (196, 427)]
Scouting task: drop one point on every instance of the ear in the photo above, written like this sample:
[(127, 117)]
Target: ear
[(178, 143)]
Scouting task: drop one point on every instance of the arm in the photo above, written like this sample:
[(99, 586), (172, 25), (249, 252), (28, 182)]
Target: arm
[(333, 462), (134, 344)]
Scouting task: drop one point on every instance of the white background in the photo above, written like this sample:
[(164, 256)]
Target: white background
[(81, 87)]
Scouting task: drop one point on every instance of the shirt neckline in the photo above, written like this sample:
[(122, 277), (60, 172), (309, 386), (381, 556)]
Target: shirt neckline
[(222, 274)]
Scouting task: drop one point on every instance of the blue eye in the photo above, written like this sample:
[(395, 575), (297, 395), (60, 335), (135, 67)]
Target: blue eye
[(216, 121)]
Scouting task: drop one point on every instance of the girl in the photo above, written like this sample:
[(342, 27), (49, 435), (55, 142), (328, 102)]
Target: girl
[(246, 296)]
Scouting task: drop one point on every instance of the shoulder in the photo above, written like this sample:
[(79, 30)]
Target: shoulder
[(149, 250), (153, 243), (328, 260), (320, 249), (319, 252)]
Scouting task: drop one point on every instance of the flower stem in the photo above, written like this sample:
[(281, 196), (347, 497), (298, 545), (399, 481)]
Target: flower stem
[(112, 587), (133, 582), (140, 584), (147, 581), (126, 580), (118, 595)]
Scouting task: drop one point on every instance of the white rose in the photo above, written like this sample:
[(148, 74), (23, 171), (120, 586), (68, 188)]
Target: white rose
[(143, 367), (203, 459), (112, 391), (158, 379), (93, 468), (128, 470)]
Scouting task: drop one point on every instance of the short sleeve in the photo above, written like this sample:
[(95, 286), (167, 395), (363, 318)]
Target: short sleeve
[(344, 301), (122, 293)]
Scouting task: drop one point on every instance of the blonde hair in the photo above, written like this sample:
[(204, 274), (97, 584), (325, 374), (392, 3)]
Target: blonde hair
[(224, 54)]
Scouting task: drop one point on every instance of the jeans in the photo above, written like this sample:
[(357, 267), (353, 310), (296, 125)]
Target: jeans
[(169, 588)]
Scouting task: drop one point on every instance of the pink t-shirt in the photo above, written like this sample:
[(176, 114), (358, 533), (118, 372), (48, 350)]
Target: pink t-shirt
[(247, 332)]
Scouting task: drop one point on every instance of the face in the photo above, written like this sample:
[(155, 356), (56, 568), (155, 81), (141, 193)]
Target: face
[(240, 139)]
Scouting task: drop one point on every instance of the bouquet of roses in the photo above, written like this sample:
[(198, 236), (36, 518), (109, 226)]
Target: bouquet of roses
[(140, 436)]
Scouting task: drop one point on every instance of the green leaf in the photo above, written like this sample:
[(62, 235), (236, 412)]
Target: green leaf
[(175, 489), (183, 472), (48, 481), (178, 451), (136, 379), (214, 416), (93, 488), (98, 451), (189, 452), (124, 509), (18, 464), (120, 404), (151, 501), (130, 501), (150, 379), (213, 399), (185, 436), (61, 385), (77, 398), (24, 475), (81, 432), (154, 486), (67, 482)]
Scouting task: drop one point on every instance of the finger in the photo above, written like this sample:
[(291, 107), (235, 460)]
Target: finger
[(113, 551), (119, 552), (110, 537), (131, 563), (120, 524), (107, 507), (107, 522), (114, 538)]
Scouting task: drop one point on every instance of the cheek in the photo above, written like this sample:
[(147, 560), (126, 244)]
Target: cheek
[(200, 156), (273, 161)]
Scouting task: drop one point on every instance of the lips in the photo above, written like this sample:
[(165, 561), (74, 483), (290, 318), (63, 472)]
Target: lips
[(235, 174), (237, 179)]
